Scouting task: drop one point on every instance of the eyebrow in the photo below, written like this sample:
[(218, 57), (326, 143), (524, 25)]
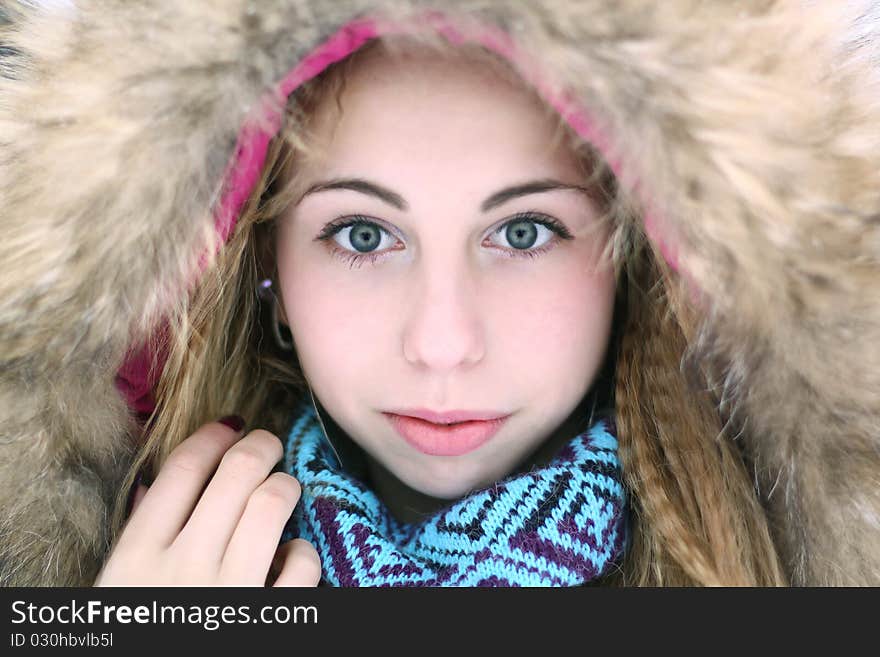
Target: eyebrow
[(362, 186), (525, 189), (396, 200)]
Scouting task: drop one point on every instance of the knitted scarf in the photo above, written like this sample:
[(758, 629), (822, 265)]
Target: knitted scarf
[(560, 525)]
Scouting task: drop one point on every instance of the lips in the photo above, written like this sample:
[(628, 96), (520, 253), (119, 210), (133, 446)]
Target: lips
[(440, 439)]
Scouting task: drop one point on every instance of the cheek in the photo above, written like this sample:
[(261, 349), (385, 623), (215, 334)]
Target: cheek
[(554, 326), (338, 321)]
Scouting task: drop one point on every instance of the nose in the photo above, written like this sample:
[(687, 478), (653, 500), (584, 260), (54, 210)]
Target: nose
[(444, 328)]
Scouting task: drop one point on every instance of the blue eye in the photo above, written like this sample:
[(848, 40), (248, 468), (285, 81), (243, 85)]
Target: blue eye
[(360, 239), (524, 233), (364, 236), (529, 234)]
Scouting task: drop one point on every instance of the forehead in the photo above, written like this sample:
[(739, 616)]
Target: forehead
[(423, 114)]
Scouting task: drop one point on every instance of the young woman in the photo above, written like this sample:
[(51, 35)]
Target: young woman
[(527, 273), (445, 274)]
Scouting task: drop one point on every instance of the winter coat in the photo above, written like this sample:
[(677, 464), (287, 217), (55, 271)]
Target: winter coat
[(749, 132)]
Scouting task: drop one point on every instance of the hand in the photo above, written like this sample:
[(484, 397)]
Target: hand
[(228, 534)]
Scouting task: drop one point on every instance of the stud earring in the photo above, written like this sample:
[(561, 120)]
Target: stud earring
[(265, 292)]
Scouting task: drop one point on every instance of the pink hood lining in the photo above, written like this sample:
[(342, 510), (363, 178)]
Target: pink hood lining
[(135, 380)]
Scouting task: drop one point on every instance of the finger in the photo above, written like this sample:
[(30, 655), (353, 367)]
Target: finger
[(255, 540), (301, 565), (168, 503), (244, 467)]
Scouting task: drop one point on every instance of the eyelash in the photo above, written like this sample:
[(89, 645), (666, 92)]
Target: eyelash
[(355, 259)]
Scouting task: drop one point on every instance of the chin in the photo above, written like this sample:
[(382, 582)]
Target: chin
[(447, 484)]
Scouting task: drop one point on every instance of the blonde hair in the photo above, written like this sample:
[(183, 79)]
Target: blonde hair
[(695, 516)]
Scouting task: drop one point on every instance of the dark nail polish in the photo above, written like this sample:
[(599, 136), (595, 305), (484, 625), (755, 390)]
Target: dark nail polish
[(234, 422)]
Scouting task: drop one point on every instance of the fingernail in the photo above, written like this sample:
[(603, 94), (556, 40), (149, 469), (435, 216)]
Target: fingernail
[(234, 422)]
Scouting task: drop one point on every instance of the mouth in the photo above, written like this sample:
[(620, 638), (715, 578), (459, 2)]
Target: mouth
[(445, 438)]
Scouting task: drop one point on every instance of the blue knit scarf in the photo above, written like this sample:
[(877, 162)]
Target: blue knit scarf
[(560, 525)]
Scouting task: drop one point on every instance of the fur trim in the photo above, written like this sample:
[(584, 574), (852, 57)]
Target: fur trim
[(749, 134)]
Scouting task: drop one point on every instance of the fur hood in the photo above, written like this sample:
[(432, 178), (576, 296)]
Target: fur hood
[(749, 133)]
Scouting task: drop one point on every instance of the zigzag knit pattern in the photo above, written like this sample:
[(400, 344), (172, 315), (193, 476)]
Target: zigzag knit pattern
[(561, 525)]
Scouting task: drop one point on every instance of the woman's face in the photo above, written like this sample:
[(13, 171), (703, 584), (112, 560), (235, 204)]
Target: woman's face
[(444, 259)]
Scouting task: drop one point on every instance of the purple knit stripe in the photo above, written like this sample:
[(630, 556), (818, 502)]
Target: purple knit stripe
[(361, 535), (564, 455), (610, 528), (555, 553), (568, 525), (567, 454), (326, 513), (496, 582), (531, 542), (486, 555), (404, 571), (407, 569)]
